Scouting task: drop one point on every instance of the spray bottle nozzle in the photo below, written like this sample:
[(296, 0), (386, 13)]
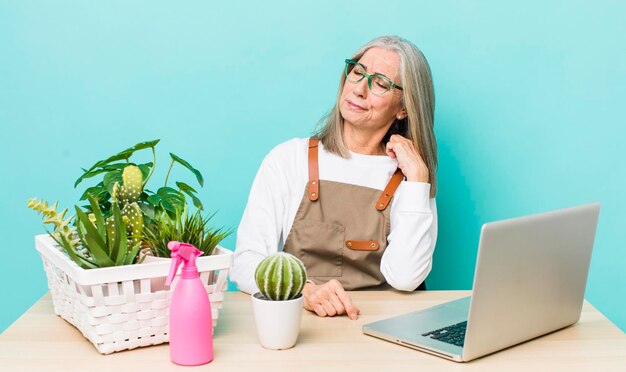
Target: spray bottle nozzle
[(182, 253)]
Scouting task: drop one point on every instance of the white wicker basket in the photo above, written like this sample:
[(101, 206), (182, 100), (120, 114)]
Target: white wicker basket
[(115, 307)]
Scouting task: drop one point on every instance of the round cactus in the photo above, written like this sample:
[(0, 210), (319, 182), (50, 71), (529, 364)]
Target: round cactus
[(280, 277)]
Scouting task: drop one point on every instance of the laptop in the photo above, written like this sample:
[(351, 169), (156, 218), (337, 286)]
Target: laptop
[(530, 280)]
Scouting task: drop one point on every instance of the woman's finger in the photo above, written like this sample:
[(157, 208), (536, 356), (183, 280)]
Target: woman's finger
[(343, 296), (328, 307), (334, 300), (319, 310)]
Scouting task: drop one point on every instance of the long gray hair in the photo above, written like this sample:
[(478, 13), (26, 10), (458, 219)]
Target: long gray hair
[(418, 99)]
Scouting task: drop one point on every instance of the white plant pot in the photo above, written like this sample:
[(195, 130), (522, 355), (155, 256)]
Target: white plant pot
[(277, 322)]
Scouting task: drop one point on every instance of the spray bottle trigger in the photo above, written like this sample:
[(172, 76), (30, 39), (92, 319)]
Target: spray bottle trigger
[(176, 261)]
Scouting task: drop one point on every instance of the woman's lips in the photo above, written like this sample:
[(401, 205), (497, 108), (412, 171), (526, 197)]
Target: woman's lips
[(354, 105)]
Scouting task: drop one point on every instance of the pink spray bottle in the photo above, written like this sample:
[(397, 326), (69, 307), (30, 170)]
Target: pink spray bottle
[(191, 323)]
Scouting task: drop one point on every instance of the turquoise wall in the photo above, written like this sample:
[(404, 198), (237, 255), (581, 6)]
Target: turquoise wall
[(529, 116)]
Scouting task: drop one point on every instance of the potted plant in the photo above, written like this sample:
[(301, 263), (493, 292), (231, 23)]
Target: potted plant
[(90, 258), (278, 304)]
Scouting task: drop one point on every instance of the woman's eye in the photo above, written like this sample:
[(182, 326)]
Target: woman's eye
[(382, 85), (358, 72)]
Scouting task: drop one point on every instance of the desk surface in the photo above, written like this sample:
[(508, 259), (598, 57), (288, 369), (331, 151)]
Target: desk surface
[(42, 341)]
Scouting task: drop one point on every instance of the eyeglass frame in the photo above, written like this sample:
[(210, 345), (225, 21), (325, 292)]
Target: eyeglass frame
[(369, 77)]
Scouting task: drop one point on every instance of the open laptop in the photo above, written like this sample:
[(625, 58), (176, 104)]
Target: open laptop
[(530, 280)]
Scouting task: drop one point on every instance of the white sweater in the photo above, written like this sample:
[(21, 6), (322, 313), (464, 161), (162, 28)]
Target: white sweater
[(277, 192)]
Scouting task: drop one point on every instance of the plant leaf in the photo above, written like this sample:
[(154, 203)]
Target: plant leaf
[(98, 191), (75, 256), (95, 172), (95, 209), (92, 241), (119, 234), (191, 192), (173, 197), (159, 201), (110, 179), (145, 169), (130, 257), (188, 166), (184, 187), (147, 209), (122, 155)]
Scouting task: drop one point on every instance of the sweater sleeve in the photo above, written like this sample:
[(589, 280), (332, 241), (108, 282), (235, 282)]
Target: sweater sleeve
[(260, 228), (407, 261)]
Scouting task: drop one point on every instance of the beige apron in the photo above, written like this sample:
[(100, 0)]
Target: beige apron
[(340, 230)]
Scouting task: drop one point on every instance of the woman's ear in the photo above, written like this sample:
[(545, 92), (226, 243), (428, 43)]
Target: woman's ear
[(401, 115)]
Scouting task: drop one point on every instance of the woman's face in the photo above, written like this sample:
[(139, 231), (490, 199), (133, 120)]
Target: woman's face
[(364, 110)]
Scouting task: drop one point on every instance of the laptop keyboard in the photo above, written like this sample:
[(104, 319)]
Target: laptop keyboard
[(454, 334)]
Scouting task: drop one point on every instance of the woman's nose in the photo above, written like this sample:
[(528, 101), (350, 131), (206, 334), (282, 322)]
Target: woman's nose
[(360, 88)]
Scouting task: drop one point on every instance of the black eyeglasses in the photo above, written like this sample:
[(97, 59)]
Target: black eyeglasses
[(377, 83)]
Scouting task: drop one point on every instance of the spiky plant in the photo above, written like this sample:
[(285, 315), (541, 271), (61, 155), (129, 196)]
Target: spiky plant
[(280, 277), (126, 197), (107, 245), (184, 227), (62, 227)]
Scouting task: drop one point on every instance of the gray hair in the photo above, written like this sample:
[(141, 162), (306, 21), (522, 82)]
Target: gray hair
[(418, 99)]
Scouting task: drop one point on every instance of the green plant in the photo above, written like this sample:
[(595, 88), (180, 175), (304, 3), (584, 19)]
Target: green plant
[(184, 227), (106, 244), (280, 277), (165, 200), (62, 228), (123, 215)]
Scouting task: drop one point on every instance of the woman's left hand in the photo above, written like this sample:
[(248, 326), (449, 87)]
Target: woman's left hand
[(409, 159)]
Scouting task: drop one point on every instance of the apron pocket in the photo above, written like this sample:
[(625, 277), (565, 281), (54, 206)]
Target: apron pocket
[(321, 247)]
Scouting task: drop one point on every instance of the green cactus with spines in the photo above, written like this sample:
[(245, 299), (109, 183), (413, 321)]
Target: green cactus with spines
[(132, 184), (126, 196), (133, 218), (280, 277)]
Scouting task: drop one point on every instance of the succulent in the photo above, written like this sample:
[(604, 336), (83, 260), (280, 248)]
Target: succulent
[(280, 277), (62, 226), (106, 243)]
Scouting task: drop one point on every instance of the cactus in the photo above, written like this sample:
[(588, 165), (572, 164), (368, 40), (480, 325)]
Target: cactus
[(126, 196), (131, 185), (280, 277), (61, 227), (133, 219)]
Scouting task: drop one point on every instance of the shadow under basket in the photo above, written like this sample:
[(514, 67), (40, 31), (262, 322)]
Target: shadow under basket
[(117, 308)]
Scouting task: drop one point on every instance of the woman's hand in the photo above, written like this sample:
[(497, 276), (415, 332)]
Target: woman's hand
[(409, 159), (328, 299)]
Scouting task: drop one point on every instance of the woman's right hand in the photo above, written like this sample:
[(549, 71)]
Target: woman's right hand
[(328, 299)]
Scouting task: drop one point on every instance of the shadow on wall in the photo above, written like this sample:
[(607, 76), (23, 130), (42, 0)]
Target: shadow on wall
[(459, 226)]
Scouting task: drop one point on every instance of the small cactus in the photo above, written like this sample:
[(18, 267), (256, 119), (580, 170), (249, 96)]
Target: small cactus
[(131, 184), (133, 217), (126, 197), (280, 277)]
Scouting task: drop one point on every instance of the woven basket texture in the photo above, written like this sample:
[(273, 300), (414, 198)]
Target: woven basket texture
[(124, 307)]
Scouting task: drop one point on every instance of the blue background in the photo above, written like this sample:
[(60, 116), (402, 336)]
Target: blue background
[(529, 115)]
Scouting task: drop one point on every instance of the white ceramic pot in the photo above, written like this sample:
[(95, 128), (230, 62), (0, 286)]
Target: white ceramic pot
[(277, 322)]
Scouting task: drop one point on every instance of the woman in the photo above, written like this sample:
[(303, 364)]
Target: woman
[(356, 202)]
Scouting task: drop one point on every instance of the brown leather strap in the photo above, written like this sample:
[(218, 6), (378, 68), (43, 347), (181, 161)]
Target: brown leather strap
[(314, 181), (390, 189), (362, 245)]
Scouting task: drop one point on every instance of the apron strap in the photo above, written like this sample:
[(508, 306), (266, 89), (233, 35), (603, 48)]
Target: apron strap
[(390, 189), (314, 182)]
